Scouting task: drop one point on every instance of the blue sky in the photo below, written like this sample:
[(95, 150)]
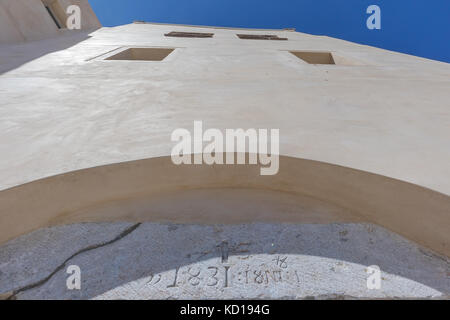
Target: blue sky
[(418, 27)]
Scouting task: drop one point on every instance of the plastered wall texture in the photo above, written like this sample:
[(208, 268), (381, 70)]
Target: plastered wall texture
[(84, 139)]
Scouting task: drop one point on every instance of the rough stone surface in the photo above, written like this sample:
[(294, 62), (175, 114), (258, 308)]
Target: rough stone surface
[(31, 258), (169, 261)]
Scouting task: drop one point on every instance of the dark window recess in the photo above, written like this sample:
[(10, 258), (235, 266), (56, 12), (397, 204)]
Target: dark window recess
[(260, 37), (312, 57), (53, 17), (189, 34), (142, 54)]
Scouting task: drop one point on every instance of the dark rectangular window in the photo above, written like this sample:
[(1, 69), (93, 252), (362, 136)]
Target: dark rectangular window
[(260, 37), (142, 54), (189, 34), (315, 57)]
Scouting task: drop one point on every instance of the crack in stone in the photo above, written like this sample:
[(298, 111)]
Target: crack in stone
[(123, 234)]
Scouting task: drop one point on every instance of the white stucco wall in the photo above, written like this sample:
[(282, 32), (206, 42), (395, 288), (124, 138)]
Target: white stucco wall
[(65, 108)]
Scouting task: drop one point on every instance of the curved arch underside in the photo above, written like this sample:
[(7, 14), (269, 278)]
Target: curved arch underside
[(304, 191)]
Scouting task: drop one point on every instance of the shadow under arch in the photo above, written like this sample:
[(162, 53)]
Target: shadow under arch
[(127, 191)]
